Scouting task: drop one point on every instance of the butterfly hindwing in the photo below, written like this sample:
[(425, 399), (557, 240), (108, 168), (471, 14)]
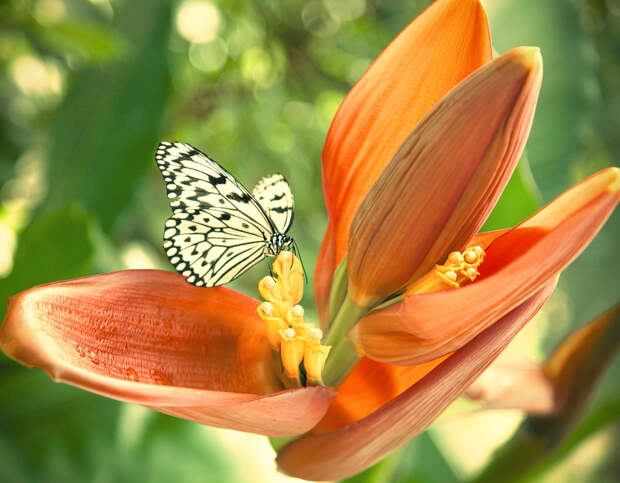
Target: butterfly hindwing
[(217, 230), (276, 198), (207, 250)]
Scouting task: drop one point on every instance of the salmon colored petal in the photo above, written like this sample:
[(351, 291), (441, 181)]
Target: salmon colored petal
[(439, 188), (341, 453), (149, 337), (370, 386), (514, 382), (517, 264), (442, 46)]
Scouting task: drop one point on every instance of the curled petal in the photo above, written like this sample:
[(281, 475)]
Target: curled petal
[(442, 46), (344, 452), (517, 264), (148, 337), (441, 185)]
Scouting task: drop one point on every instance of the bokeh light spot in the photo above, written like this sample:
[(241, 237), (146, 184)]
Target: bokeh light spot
[(198, 22)]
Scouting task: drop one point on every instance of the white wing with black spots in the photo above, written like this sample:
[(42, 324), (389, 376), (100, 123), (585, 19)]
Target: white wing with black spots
[(207, 250), (274, 195)]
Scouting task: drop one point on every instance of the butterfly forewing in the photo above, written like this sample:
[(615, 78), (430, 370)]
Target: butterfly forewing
[(276, 198), (217, 230)]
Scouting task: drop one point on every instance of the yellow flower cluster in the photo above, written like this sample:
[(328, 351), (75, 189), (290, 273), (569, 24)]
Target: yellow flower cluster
[(459, 268), (295, 339)]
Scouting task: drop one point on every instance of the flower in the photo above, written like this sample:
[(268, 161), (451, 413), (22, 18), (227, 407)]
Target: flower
[(396, 353)]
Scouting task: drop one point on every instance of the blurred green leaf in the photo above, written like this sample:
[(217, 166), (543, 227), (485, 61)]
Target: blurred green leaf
[(92, 42), (55, 247), (519, 200), (105, 134), (554, 26)]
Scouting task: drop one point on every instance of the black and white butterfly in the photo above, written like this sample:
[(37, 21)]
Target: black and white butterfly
[(218, 230)]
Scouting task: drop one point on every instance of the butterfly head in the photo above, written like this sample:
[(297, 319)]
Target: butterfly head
[(279, 242)]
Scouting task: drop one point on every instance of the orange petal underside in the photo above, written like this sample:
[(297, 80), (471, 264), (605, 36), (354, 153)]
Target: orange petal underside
[(517, 264), (370, 386), (442, 46), (149, 337), (344, 452)]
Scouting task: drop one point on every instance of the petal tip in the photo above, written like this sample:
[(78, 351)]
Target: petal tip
[(614, 180)]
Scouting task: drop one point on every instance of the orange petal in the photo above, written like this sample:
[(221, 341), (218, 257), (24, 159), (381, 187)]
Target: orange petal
[(517, 264), (344, 452), (441, 185), (370, 386), (442, 46), (323, 274), (148, 337)]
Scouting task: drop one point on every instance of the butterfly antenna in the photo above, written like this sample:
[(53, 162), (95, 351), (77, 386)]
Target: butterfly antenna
[(298, 254)]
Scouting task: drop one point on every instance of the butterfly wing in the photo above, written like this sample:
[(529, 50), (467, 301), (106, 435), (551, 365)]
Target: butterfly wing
[(209, 250), (217, 230), (276, 198)]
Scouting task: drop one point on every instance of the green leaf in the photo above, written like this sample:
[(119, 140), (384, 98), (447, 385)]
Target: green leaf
[(104, 136), (57, 246), (92, 42), (519, 200)]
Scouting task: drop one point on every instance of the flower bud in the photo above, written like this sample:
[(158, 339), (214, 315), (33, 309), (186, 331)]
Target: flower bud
[(442, 183)]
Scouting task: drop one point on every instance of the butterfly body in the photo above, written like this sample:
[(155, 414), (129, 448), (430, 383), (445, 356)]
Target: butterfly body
[(218, 230)]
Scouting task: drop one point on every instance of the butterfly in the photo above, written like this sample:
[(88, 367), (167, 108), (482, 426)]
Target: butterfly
[(218, 230)]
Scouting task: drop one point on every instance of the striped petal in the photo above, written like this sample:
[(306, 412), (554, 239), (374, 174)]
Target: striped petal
[(442, 46), (517, 264), (148, 337)]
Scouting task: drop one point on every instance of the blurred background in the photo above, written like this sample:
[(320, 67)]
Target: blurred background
[(88, 89)]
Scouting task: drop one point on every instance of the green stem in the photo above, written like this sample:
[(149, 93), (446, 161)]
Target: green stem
[(338, 291), (342, 356)]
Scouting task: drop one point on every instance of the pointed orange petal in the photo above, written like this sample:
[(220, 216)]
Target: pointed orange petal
[(517, 264), (148, 337), (344, 452), (441, 185), (442, 46), (370, 386)]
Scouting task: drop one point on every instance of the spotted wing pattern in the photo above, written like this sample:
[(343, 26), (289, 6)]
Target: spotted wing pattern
[(276, 198), (217, 230)]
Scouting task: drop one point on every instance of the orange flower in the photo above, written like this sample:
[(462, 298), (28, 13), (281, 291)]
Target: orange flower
[(221, 358)]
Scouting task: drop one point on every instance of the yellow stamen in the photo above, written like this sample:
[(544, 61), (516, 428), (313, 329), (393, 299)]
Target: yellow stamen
[(270, 290), (459, 268), (292, 350), (266, 311)]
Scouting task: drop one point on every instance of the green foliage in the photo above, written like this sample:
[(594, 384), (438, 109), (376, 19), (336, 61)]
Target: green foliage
[(54, 247), (102, 82)]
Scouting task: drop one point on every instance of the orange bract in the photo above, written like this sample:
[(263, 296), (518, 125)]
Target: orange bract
[(442, 46)]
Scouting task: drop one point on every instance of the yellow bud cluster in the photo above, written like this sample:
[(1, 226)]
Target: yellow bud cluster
[(289, 334), (460, 267)]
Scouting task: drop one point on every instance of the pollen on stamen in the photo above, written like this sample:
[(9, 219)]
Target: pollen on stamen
[(455, 258), (315, 334), (289, 333), (298, 311), (269, 282), (470, 256), (450, 275), (267, 308)]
